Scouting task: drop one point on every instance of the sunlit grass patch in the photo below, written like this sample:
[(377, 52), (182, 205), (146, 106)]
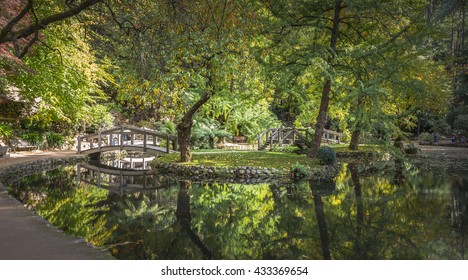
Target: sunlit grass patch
[(246, 158)]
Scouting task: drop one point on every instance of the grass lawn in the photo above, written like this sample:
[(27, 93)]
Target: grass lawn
[(362, 148), (245, 158)]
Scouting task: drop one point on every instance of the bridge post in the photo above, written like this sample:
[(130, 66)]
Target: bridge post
[(78, 173), (144, 141), (79, 144), (168, 144), (121, 137), (99, 140), (271, 141), (132, 139)]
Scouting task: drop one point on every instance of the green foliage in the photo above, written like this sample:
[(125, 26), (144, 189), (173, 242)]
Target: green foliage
[(326, 155), (167, 127), (249, 121), (6, 131), (206, 132), (411, 149), (95, 117), (461, 124), (33, 137), (298, 171), (54, 140), (426, 137), (64, 79)]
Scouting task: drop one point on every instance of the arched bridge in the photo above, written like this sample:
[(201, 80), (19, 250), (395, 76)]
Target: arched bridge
[(129, 139)]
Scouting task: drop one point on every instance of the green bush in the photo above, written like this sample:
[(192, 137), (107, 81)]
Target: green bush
[(326, 155), (298, 171), (411, 149), (54, 140), (461, 124), (33, 138), (5, 132), (426, 137)]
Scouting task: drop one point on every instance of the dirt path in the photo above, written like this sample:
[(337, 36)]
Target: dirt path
[(33, 156), (444, 151)]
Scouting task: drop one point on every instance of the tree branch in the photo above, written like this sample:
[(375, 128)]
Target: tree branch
[(41, 24), (9, 27)]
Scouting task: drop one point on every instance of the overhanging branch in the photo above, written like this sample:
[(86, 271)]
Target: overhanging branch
[(7, 34)]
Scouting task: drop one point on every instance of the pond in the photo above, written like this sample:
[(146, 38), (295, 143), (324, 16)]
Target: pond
[(403, 213)]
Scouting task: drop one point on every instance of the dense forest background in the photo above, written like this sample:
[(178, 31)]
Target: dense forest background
[(213, 69)]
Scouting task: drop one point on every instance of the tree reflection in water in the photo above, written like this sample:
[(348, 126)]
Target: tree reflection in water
[(353, 217)]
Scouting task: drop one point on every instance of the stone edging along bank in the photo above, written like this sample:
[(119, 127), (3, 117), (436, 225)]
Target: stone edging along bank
[(13, 172), (238, 172)]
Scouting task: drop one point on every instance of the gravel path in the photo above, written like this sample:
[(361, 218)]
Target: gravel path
[(33, 156)]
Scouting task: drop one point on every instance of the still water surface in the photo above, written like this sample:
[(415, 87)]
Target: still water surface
[(423, 215)]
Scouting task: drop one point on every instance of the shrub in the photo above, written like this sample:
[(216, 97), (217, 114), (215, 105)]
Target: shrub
[(461, 124), (411, 149), (5, 132), (54, 140), (326, 155), (298, 171), (34, 138), (426, 137)]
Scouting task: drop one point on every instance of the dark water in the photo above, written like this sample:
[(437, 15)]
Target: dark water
[(403, 213)]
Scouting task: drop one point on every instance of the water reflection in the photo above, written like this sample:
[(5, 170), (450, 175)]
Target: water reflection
[(148, 216), (130, 162), (121, 181)]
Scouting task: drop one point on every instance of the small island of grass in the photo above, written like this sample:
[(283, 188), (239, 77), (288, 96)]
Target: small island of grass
[(279, 160)]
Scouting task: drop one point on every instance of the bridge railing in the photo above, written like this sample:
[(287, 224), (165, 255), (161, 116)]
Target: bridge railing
[(287, 136), (119, 137), (281, 136)]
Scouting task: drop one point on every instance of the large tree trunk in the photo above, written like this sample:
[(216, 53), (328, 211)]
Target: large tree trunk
[(321, 119), (353, 144), (184, 128), (325, 100)]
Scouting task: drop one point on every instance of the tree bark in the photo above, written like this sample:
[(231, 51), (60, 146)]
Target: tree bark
[(184, 128), (325, 100), (353, 144)]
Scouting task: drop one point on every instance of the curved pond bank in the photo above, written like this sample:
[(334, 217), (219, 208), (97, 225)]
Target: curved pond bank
[(24, 235)]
